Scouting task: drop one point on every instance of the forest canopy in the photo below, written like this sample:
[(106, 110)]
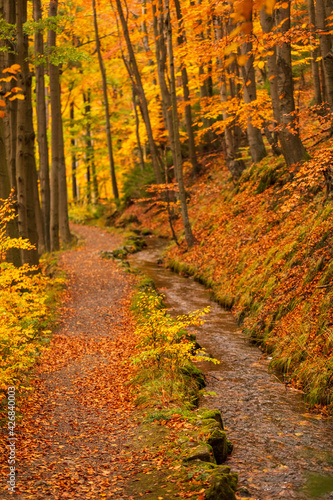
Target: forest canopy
[(120, 95)]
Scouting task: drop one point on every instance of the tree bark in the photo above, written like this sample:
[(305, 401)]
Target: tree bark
[(59, 208), (292, 146), (141, 94), (323, 11), (188, 111), (314, 55), (282, 87), (10, 119), (232, 133), (137, 131), (161, 60), (25, 160), (106, 105), (73, 146), (44, 176), (13, 254), (178, 156), (90, 148), (256, 143)]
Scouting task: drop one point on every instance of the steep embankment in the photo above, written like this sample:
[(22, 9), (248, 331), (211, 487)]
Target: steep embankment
[(264, 246)]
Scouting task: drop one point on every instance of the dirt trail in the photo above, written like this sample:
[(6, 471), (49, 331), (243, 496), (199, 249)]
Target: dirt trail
[(75, 437)]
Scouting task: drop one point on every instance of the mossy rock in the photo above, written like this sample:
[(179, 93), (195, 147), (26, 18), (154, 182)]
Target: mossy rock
[(212, 414), (146, 284), (222, 485), (192, 371), (135, 244), (127, 219), (203, 453), (119, 253), (210, 423), (217, 439), (230, 447), (124, 264), (146, 232)]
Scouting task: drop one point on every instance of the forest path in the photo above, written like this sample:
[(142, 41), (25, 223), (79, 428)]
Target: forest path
[(74, 440)]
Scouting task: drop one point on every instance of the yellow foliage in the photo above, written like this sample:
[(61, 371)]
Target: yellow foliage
[(23, 308), (164, 341)]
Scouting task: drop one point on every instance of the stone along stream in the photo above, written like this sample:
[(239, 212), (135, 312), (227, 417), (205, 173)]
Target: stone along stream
[(281, 450)]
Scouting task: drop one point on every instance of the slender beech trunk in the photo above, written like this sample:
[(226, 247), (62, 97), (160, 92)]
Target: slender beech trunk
[(59, 209), (106, 105), (292, 146), (161, 60), (323, 11), (137, 131), (282, 87), (25, 160), (188, 111), (4, 177), (139, 90), (91, 167), (232, 132), (10, 119), (13, 254), (7, 176), (44, 176), (178, 155), (314, 55), (256, 143), (73, 155)]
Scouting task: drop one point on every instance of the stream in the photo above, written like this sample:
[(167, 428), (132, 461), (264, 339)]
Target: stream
[(281, 450)]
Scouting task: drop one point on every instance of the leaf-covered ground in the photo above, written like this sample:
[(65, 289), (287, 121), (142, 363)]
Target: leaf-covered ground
[(264, 246), (74, 440)]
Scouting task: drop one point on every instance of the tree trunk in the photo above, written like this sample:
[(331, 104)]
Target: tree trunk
[(282, 88), (232, 135), (44, 177), (314, 55), (10, 119), (292, 146), (4, 177), (59, 209), (13, 254), (188, 111), (256, 143), (139, 90), (161, 59), (25, 160), (178, 156), (267, 24), (106, 105), (323, 11), (137, 131), (73, 146), (91, 168)]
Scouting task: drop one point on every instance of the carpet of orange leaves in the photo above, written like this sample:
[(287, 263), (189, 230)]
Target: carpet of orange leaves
[(264, 247)]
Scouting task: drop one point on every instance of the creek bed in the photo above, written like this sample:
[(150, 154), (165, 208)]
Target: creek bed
[(281, 450)]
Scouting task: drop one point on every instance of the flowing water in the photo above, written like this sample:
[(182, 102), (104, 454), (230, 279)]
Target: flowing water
[(281, 450)]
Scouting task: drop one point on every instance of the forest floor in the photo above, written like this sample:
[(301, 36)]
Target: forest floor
[(75, 440)]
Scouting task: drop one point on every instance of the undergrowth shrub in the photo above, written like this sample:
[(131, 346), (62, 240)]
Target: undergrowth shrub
[(165, 373), (85, 213), (24, 309), (136, 181)]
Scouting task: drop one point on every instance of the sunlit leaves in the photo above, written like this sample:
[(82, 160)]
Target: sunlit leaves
[(164, 341), (22, 306)]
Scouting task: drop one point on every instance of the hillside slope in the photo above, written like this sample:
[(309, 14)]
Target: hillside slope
[(264, 246)]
